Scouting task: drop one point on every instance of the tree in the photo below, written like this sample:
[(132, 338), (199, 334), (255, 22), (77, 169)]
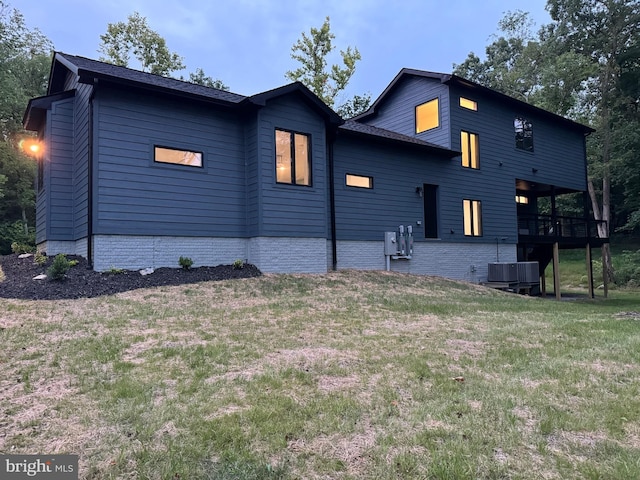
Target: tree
[(357, 105), (198, 77), (136, 37), (312, 51)]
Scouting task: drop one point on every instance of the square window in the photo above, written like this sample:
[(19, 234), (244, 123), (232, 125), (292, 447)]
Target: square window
[(472, 212), (293, 160), (427, 116), (468, 104), (177, 157), (359, 181), (469, 144), (524, 134)]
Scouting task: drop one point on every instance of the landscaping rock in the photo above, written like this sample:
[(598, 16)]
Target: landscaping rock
[(42, 276)]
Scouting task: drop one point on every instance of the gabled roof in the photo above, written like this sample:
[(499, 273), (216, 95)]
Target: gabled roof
[(363, 129), (37, 107), (450, 79)]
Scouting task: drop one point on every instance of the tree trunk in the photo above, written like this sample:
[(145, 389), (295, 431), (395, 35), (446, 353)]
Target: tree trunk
[(25, 222)]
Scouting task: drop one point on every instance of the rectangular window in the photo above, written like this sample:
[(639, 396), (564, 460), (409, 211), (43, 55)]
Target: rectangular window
[(427, 116), (293, 159), (470, 150), (524, 134), (177, 157), (472, 210), (521, 199), (468, 104), (430, 211), (359, 181)]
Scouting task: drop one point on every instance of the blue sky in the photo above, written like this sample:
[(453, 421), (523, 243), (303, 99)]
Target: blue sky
[(247, 43)]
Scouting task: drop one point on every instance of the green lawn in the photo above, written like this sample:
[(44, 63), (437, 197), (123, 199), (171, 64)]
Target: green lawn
[(346, 375)]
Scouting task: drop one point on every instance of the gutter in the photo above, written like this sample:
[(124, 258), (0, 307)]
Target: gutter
[(332, 202), (90, 180)]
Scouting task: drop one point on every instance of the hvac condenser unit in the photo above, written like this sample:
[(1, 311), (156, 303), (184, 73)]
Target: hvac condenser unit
[(503, 272), (528, 272)]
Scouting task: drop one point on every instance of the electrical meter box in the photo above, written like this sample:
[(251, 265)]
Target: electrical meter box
[(390, 243)]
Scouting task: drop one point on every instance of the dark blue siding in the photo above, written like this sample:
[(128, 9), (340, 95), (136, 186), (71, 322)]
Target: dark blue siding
[(139, 196), (81, 161), (363, 214), (397, 111), (253, 180), (58, 192), (292, 210)]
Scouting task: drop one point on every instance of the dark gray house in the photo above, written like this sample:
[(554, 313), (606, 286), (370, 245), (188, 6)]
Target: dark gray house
[(138, 170)]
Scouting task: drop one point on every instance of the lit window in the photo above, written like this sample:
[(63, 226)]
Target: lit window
[(472, 210), (178, 157), (470, 152), (427, 116), (469, 104), (359, 181), (524, 134), (522, 199), (293, 161)]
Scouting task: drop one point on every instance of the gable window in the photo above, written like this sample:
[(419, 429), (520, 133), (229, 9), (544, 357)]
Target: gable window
[(293, 159), (472, 212), (177, 157), (470, 153), (359, 181), (427, 116), (524, 134), (468, 104)]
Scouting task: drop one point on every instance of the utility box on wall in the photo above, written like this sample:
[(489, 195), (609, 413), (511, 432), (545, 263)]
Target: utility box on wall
[(390, 243)]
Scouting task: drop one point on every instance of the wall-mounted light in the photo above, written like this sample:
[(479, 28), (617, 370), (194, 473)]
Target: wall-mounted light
[(30, 146), (452, 231), (420, 191), (499, 164), (534, 170)]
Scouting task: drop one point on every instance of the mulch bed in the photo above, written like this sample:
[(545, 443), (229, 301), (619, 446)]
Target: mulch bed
[(82, 282)]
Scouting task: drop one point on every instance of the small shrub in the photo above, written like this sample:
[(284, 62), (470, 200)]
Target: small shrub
[(238, 264), (40, 259), (59, 268), (627, 270), (185, 263), (73, 263), (114, 271), (17, 247)]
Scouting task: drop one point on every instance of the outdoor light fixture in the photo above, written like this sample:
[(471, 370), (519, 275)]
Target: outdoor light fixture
[(419, 191), (30, 146), (534, 170)]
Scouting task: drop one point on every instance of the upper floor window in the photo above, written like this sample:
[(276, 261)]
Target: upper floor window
[(469, 104), (470, 151), (178, 157), (427, 116), (359, 181), (472, 212), (522, 200), (524, 134), (293, 159)]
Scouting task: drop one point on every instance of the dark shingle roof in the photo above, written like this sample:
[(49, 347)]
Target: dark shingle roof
[(394, 137), (86, 68)]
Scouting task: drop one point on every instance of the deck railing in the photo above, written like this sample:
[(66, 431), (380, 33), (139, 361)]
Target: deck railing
[(558, 226)]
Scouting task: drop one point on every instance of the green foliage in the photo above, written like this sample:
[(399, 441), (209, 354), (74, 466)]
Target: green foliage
[(40, 259), (136, 37), (185, 262), (312, 51), (627, 268), (355, 106), (238, 264), (198, 77), (59, 267), (14, 232), (22, 248), (114, 271)]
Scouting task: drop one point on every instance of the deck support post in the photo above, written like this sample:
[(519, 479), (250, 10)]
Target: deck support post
[(605, 280), (543, 284), (590, 272), (556, 271)]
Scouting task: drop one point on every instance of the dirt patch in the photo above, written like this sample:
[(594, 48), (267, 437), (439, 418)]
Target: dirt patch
[(82, 282), (328, 384)]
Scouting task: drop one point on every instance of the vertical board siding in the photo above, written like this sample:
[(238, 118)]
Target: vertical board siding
[(140, 196), (397, 111), (292, 210), (365, 214), (59, 187), (253, 179), (81, 161)]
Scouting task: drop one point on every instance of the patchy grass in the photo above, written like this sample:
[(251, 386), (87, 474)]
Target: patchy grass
[(344, 375), (2, 276)]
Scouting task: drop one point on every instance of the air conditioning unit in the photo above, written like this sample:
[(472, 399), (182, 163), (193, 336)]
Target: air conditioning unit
[(528, 272), (503, 272)]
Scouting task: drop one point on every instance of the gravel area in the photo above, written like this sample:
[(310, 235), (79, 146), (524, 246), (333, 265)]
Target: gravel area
[(82, 282)]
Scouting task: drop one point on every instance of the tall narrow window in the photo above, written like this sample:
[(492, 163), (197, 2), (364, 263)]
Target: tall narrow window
[(293, 160), (178, 157), (470, 152), (524, 134), (427, 116), (430, 211), (472, 211)]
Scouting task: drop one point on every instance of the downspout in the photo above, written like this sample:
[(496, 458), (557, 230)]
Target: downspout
[(90, 180), (332, 201)]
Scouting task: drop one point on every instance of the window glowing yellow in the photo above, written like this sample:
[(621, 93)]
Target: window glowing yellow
[(359, 181), (293, 165), (469, 104), (179, 157), (472, 212), (470, 150), (522, 199), (427, 116)]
